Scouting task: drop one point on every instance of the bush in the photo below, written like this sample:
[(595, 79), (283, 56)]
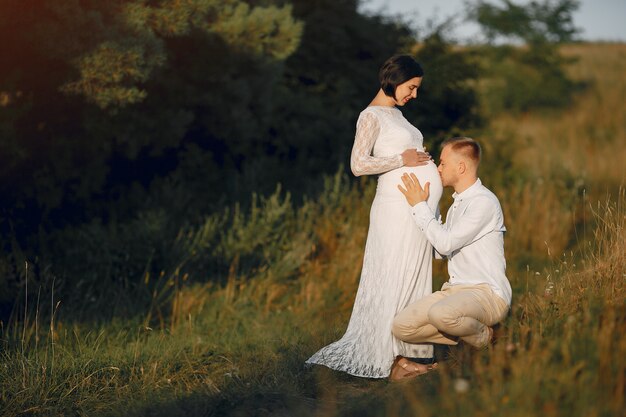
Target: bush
[(518, 79)]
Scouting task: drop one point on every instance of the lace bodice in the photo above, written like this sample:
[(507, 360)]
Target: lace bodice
[(382, 134)]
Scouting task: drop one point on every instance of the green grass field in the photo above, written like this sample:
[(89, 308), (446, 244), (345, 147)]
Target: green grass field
[(237, 348)]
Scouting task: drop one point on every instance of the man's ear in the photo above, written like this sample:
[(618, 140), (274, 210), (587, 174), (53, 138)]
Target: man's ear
[(462, 167)]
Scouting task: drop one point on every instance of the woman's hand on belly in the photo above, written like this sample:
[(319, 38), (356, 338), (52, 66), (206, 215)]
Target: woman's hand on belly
[(414, 158)]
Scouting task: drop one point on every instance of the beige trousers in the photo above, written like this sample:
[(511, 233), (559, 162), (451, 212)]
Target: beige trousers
[(456, 312)]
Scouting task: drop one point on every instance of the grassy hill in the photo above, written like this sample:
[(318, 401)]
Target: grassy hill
[(237, 348)]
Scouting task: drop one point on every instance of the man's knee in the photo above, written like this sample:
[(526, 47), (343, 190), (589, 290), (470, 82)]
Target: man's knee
[(402, 327), (443, 316)]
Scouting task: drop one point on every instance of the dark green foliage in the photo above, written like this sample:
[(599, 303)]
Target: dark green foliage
[(124, 123), (519, 79), (163, 78), (103, 101), (447, 100)]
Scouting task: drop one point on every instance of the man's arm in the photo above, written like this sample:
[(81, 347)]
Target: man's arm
[(446, 240), (466, 229)]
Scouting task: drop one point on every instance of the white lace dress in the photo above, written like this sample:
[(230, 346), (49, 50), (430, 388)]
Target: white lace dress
[(397, 265)]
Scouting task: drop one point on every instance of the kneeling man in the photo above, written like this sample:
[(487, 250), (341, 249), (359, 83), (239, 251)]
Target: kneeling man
[(477, 294)]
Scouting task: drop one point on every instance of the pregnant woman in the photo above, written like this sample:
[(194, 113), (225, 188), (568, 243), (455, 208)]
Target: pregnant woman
[(397, 265)]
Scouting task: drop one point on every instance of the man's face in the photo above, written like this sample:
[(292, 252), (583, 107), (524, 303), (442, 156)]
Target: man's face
[(448, 167), (407, 90)]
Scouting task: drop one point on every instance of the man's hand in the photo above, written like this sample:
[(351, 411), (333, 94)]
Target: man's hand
[(414, 192)]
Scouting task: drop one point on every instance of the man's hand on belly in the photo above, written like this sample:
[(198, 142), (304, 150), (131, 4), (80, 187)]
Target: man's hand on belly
[(414, 192)]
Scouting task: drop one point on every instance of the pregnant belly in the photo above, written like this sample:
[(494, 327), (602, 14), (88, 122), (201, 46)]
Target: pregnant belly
[(387, 189)]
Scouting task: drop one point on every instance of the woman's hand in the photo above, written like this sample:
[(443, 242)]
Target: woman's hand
[(413, 158)]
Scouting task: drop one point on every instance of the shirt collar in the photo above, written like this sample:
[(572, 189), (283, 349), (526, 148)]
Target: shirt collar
[(469, 191)]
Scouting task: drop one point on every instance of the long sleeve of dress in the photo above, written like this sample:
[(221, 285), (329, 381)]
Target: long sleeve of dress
[(361, 160)]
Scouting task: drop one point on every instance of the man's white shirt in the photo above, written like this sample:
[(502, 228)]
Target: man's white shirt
[(472, 238)]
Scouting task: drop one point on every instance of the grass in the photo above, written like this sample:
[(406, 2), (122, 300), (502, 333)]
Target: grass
[(238, 348)]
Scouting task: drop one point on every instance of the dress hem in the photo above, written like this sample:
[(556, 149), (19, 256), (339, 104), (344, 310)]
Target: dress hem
[(309, 364)]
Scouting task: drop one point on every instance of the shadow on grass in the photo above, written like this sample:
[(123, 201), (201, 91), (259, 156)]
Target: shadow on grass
[(315, 391)]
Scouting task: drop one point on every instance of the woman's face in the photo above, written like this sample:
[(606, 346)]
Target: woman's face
[(407, 91)]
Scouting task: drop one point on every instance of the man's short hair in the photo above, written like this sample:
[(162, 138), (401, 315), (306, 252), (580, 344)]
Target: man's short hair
[(467, 147)]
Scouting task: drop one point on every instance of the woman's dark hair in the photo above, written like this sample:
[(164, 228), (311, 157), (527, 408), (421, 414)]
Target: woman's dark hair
[(396, 70)]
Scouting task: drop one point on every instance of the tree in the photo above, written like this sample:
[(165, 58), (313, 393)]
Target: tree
[(547, 21), (59, 56), (97, 100), (521, 78)]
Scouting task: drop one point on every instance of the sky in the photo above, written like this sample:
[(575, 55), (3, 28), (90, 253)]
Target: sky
[(598, 19)]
